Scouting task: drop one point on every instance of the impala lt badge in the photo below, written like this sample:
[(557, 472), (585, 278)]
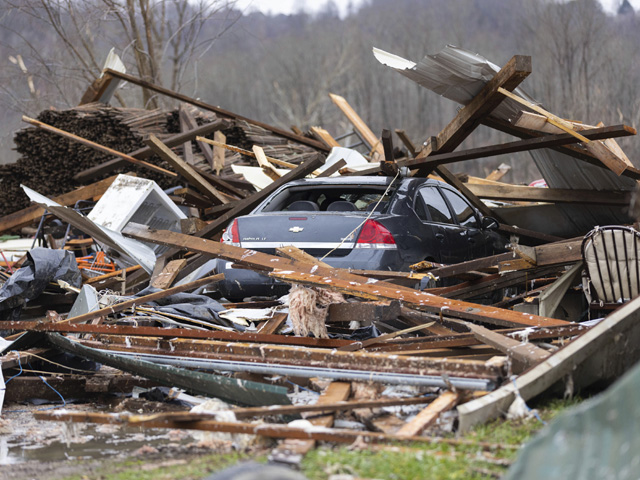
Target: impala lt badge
[(296, 229)]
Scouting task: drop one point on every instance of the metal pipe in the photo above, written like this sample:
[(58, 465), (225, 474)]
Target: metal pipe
[(310, 372)]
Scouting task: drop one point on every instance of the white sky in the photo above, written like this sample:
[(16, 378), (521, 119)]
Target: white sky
[(293, 6)]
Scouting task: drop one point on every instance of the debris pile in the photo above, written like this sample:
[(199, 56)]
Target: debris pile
[(135, 292)]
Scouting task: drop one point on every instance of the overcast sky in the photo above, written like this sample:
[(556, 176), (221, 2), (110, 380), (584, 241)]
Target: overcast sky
[(293, 6)]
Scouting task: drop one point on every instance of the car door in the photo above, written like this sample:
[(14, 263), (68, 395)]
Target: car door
[(450, 239), (467, 219)]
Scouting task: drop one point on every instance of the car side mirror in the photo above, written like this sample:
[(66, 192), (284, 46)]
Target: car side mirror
[(490, 223)]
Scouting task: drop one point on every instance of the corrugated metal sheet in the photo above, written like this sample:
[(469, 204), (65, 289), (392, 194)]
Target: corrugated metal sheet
[(459, 75)]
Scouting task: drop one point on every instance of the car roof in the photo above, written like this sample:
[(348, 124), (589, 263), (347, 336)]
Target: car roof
[(360, 180)]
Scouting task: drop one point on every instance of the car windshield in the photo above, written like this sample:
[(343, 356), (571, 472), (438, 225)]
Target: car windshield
[(330, 198)]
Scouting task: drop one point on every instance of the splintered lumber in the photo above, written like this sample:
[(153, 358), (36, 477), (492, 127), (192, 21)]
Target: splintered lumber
[(184, 169), (526, 354), (271, 430), (146, 152), (185, 127), (96, 146), (570, 150), (169, 274), (334, 278), (601, 353), (325, 137), (534, 143), (220, 111), (27, 215), (273, 324), (335, 392), (599, 150), (553, 195), (218, 153), (234, 390), (446, 401), (365, 132), (246, 205), (468, 118), (267, 167), (499, 172)]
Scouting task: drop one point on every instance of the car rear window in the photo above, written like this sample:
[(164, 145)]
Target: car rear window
[(333, 198)]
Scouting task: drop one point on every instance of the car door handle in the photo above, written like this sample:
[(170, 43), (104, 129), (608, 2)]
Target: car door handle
[(440, 236)]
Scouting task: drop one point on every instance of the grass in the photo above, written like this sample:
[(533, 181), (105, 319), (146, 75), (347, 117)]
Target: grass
[(417, 461)]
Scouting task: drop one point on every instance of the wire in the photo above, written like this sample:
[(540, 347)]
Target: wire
[(373, 210), (59, 364)]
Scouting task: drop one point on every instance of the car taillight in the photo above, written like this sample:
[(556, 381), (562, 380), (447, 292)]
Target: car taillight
[(375, 235), (231, 235)]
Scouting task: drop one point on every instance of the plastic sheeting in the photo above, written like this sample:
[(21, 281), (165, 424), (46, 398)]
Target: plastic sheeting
[(190, 305), (596, 440), (43, 265)]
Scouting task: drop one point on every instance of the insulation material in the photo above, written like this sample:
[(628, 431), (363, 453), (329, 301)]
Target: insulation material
[(308, 309)]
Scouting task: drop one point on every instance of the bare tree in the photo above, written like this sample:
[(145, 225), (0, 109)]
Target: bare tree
[(161, 41)]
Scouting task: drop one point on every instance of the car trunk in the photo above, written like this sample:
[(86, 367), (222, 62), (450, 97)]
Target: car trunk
[(315, 233)]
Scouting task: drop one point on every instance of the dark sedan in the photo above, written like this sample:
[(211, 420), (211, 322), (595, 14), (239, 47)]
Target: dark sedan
[(371, 223)]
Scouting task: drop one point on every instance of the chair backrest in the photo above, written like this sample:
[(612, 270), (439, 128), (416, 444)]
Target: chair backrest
[(611, 255)]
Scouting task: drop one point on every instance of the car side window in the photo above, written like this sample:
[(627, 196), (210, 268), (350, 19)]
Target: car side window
[(431, 204), (463, 210)]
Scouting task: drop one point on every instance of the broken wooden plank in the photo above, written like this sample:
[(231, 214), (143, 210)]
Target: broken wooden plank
[(218, 153), (553, 195), (96, 146), (468, 118), (27, 215), (273, 324), (295, 449), (404, 138), (267, 167), (499, 172), (324, 136), (365, 132), (446, 401), (145, 152), (187, 150), (525, 354), (187, 171), (220, 111), (353, 284), (599, 150), (533, 143), (327, 172), (598, 353), (169, 274), (266, 430)]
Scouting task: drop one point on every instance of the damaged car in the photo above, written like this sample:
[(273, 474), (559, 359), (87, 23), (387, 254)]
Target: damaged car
[(369, 223)]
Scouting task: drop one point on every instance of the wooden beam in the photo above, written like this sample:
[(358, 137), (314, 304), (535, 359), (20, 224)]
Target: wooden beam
[(334, 278), (233, 148), (169, 274), (186, 170), (446, 401), (145, 152), (327, 172), (499, 172), (553, 195), (534, 143), (267, 167), (325, 137), (187, 154), (367, 135), (27, 215), (96, 146), (524, 353), (220, 111), (404, 138), (468, 118), (298, 448), (598, 149), (218, 153)]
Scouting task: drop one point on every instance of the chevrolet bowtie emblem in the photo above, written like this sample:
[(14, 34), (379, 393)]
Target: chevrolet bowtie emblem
[(296, 229)]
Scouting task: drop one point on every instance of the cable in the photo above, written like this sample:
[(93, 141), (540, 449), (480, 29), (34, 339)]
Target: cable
[(19, 364), (373, 210)]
